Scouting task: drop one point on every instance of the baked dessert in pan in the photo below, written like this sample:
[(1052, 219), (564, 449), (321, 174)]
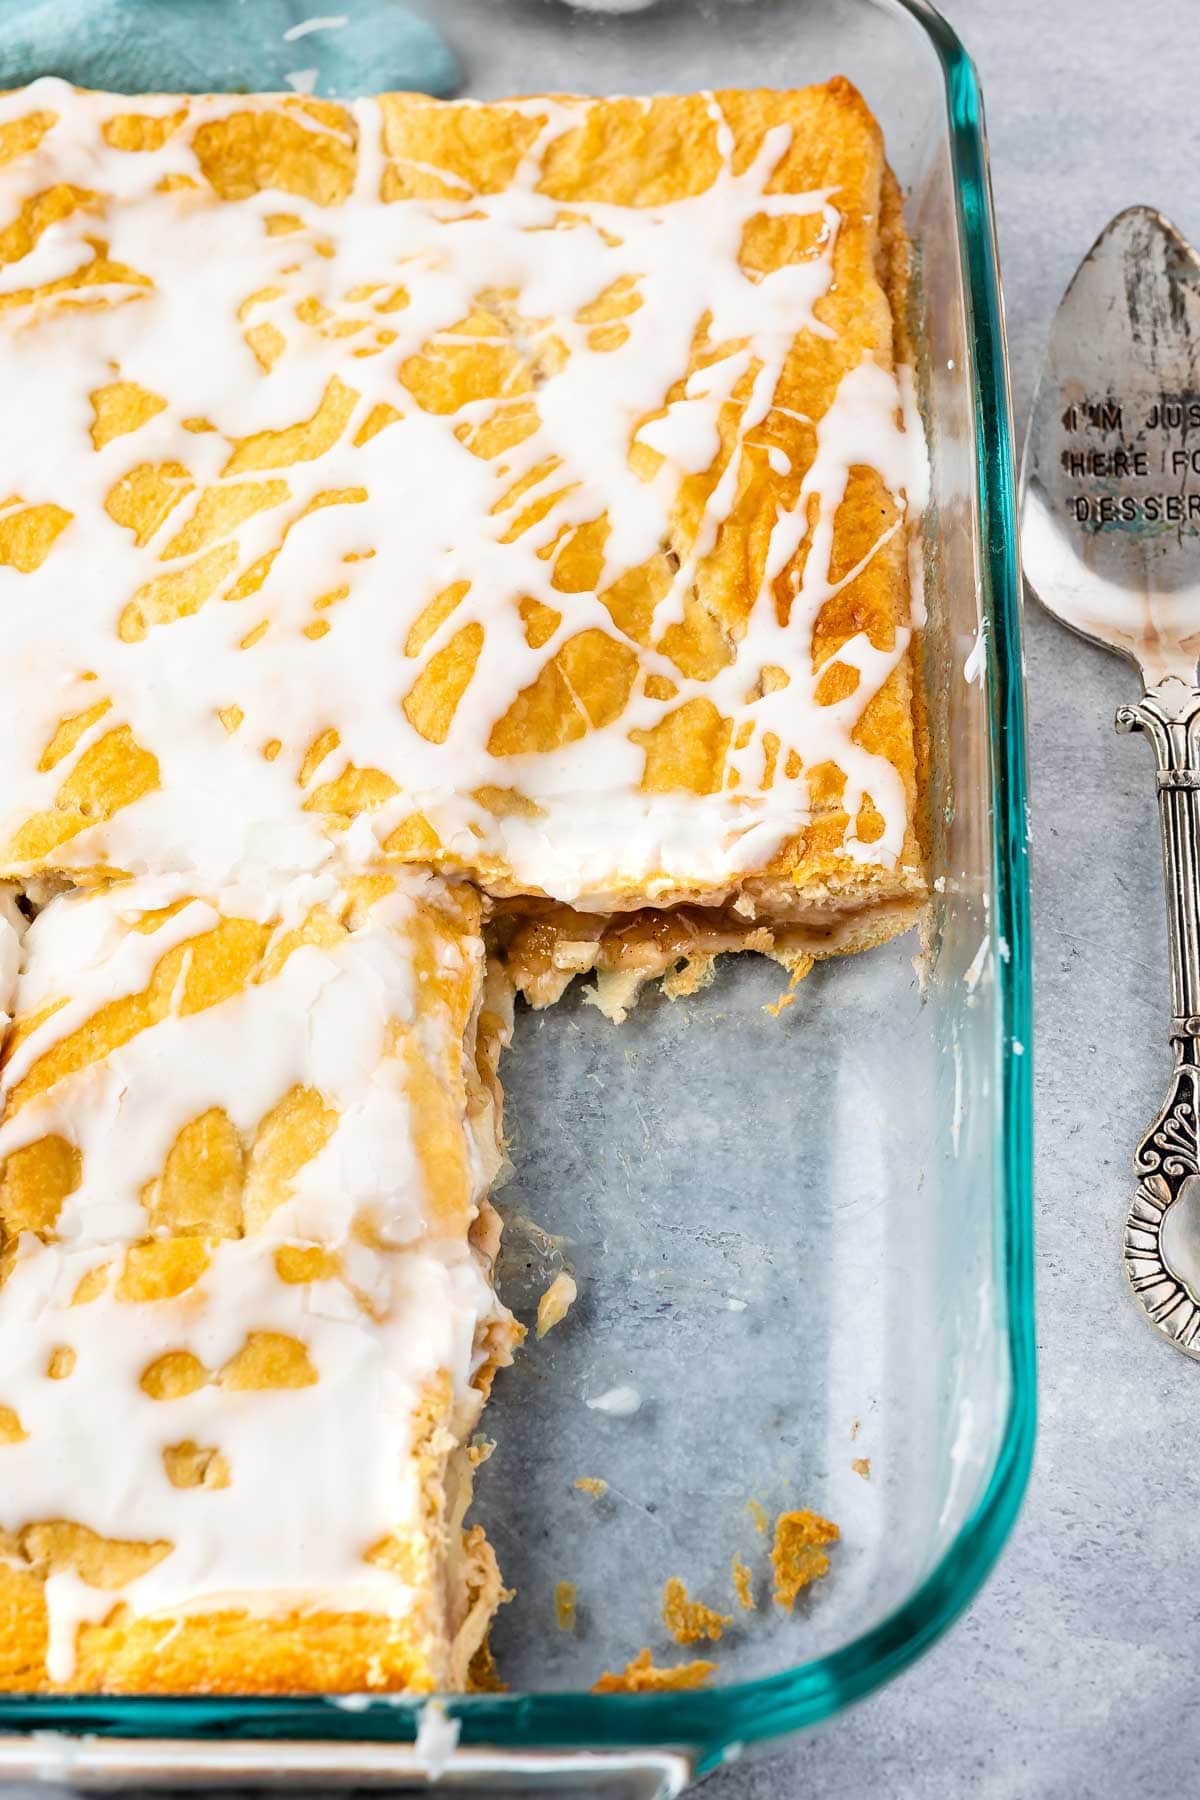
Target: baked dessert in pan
[(416, 517)]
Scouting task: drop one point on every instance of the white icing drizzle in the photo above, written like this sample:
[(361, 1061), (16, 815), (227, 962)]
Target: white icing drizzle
[(975, 665), (618, 1402), (436, 1740), (434, 513), (379, 1327)]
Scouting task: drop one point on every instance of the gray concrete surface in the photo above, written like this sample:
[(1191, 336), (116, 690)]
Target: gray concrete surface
[(1073, 1674)]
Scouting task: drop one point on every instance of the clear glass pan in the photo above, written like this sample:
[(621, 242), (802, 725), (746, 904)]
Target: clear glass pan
[(780, 1225)]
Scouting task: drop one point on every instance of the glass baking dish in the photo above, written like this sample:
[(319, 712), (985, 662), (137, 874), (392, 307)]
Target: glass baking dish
[(803, 1238)]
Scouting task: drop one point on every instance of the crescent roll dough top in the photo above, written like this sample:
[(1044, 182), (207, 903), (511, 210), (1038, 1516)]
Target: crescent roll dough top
[(518, 489)]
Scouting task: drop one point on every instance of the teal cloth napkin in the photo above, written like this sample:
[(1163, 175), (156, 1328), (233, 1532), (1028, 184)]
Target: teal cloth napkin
[(330, 47)]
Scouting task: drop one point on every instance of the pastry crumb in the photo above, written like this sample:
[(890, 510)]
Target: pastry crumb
[(555, 1303), (564, 1605), (616, 992), (797, 1555), (641, 1676), (690, 1620), (482, 1676), (758, 1514), (595, 1485), (798, 964), (743, 1584), (695, 972), (862, 1466), (480, 1449)]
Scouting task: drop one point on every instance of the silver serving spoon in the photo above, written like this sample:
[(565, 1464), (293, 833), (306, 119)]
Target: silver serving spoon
[(1110, 521)]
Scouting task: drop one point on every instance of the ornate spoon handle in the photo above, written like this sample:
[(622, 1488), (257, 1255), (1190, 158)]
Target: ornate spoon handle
[(1162, 1231)]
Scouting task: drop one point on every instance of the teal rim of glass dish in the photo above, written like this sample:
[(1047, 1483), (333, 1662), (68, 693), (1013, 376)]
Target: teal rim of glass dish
[(710, 1722)]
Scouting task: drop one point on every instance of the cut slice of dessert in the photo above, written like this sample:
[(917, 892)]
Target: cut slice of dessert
[(247, 1323)]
